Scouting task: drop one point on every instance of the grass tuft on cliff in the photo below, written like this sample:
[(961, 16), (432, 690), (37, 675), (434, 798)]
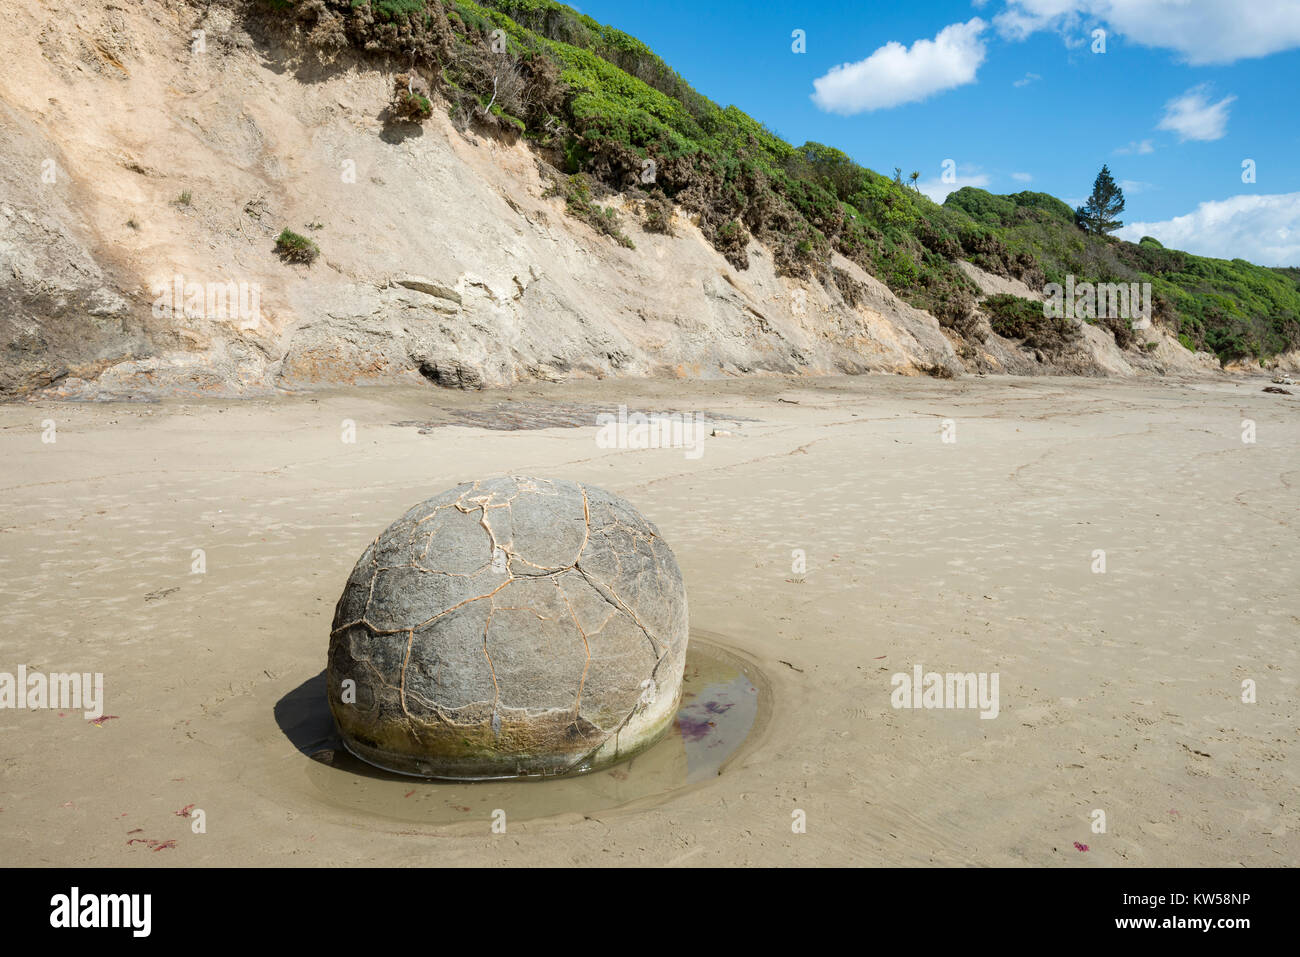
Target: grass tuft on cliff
[(295, 248)]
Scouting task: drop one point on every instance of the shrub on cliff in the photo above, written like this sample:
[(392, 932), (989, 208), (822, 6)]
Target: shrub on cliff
[(294, 248), (1015, 318), (410, 101), (658, 211), (576, 190)]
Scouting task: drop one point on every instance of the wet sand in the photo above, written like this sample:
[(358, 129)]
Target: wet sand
[(1119, 691)]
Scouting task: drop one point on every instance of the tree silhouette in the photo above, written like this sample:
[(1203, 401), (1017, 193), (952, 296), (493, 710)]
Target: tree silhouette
[(1097, 215)]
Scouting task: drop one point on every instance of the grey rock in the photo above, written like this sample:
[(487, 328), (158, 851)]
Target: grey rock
[(511, 626), (430, 287)]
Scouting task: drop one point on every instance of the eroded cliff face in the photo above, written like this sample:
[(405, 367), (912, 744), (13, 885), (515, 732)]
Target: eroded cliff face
[(148, 170)]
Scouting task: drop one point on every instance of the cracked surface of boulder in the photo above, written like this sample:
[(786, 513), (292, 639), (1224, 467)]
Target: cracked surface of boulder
[(506, 627)]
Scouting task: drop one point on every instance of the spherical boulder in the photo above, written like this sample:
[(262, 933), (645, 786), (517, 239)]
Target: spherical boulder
[(507, 627)]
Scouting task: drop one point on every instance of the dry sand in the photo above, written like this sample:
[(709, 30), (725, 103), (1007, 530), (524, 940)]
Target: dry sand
[(1119, 691)]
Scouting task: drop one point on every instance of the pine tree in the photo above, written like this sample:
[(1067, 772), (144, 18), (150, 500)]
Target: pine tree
[(1097, 215)]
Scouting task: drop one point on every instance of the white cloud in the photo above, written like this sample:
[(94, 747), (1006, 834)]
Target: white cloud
[(1141, 149), (1022, 177), (938, 190), (1260, 229), (1200, 31), (1133, 186), (1193, 117), (1023, 17), (896, 74), (1027, 79)]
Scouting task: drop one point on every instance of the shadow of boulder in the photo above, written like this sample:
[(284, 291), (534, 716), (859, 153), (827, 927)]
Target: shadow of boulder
[(304, 717)]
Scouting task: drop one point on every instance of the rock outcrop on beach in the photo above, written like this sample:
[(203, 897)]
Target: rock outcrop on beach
[(510, 627), (155, 151)]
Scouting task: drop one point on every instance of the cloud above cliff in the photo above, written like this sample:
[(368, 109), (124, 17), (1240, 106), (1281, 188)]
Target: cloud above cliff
[(895, 74), (1193, 117), (1261, 229), (1201, 32)]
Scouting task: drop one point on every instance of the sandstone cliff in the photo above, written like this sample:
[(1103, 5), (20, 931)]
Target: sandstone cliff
[(144, 160)]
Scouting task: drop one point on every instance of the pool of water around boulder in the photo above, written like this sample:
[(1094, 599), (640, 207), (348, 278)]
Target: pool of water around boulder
[(725, 703)]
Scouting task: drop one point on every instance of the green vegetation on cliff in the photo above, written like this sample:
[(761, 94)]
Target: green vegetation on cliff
[(1231, 307), (599, 104)]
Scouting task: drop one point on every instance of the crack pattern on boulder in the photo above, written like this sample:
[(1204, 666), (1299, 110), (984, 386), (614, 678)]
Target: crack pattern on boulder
[(511, 626)]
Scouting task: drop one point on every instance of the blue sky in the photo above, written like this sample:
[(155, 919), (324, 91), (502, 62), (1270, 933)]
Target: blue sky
[(1012, 92)]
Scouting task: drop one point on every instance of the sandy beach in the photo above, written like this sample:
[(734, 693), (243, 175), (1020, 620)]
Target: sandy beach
[(192, 552)]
